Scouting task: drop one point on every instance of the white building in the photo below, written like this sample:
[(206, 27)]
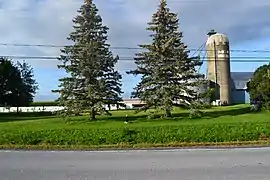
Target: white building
[(129, 104)]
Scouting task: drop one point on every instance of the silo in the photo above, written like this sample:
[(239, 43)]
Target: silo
[(218, 65)]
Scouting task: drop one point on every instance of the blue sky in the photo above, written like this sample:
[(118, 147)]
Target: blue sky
[(49, 22)]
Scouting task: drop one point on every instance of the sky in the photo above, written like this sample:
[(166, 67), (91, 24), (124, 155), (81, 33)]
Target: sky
[(48, 22)]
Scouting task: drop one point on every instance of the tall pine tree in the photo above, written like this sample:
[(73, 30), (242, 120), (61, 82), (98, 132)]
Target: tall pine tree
[(169, 75), (93, 81)]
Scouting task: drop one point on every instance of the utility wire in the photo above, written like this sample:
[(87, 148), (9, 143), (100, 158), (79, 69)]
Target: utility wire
[(122, 47), (132, 57), (203, 59), (232, 59), (198, 50)]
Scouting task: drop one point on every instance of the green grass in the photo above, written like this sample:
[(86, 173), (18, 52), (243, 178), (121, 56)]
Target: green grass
[(219, 125), (44, 103)]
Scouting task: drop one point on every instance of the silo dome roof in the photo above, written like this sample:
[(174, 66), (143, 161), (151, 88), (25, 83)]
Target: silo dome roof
[(217, 38)]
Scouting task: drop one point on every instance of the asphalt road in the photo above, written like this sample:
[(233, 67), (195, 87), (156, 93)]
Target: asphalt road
[(233, 164)]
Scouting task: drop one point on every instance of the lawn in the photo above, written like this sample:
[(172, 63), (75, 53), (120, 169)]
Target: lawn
[(218, 125)]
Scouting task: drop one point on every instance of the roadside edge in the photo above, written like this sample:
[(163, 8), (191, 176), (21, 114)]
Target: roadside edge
[(210, 145)]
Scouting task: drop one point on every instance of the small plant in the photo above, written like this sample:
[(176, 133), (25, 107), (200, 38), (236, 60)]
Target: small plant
[(152, 115), (129, 135), (195, 113)]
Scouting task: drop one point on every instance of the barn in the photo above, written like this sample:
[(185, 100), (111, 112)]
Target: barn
[(239, 85)]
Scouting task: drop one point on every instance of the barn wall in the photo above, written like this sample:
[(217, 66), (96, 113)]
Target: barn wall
[(247, 96), (240, 97)]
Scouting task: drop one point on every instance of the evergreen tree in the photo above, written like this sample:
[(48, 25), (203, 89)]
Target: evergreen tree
[(169, 75), (93, 80), (113, 84)]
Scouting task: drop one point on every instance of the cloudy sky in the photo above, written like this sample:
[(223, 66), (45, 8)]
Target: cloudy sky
[(246, 22)]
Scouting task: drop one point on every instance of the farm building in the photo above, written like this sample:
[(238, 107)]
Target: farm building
[(230, 87), (239, 84)]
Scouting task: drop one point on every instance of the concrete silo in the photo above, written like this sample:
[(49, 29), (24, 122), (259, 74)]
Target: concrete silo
[(218, 65)]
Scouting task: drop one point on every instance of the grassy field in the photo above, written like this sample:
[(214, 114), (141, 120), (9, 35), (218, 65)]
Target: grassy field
[(232, 124)]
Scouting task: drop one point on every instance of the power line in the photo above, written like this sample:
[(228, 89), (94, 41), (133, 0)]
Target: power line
[(127, 57), (199, 50), (124, 47), (232, 59)]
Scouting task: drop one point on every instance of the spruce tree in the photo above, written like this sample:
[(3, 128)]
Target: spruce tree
[(169, 75), (93, 81)]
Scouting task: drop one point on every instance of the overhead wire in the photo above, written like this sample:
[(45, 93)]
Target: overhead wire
[(203, 58), (248, 59), (198, 50), (232, 59), (123, 47)]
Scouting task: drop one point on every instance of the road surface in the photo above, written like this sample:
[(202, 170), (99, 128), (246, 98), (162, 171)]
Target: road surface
[(233, 164)]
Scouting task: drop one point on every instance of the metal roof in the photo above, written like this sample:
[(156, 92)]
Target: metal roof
[(241, 75), (240, 79)]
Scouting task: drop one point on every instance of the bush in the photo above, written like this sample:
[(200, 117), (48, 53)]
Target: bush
[(259, 86), (137, 135)]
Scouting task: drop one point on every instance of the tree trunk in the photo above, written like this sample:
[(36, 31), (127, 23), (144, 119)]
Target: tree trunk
[(168, 113), (92, 114), (77, 113)]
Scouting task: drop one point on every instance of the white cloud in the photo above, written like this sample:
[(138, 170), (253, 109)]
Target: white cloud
[(49, 22)]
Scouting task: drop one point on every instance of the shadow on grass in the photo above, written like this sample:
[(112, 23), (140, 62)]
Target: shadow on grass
[(183, 115), (231, 112), (218, 113), (25, 116), (142, 117), (130, 118)]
